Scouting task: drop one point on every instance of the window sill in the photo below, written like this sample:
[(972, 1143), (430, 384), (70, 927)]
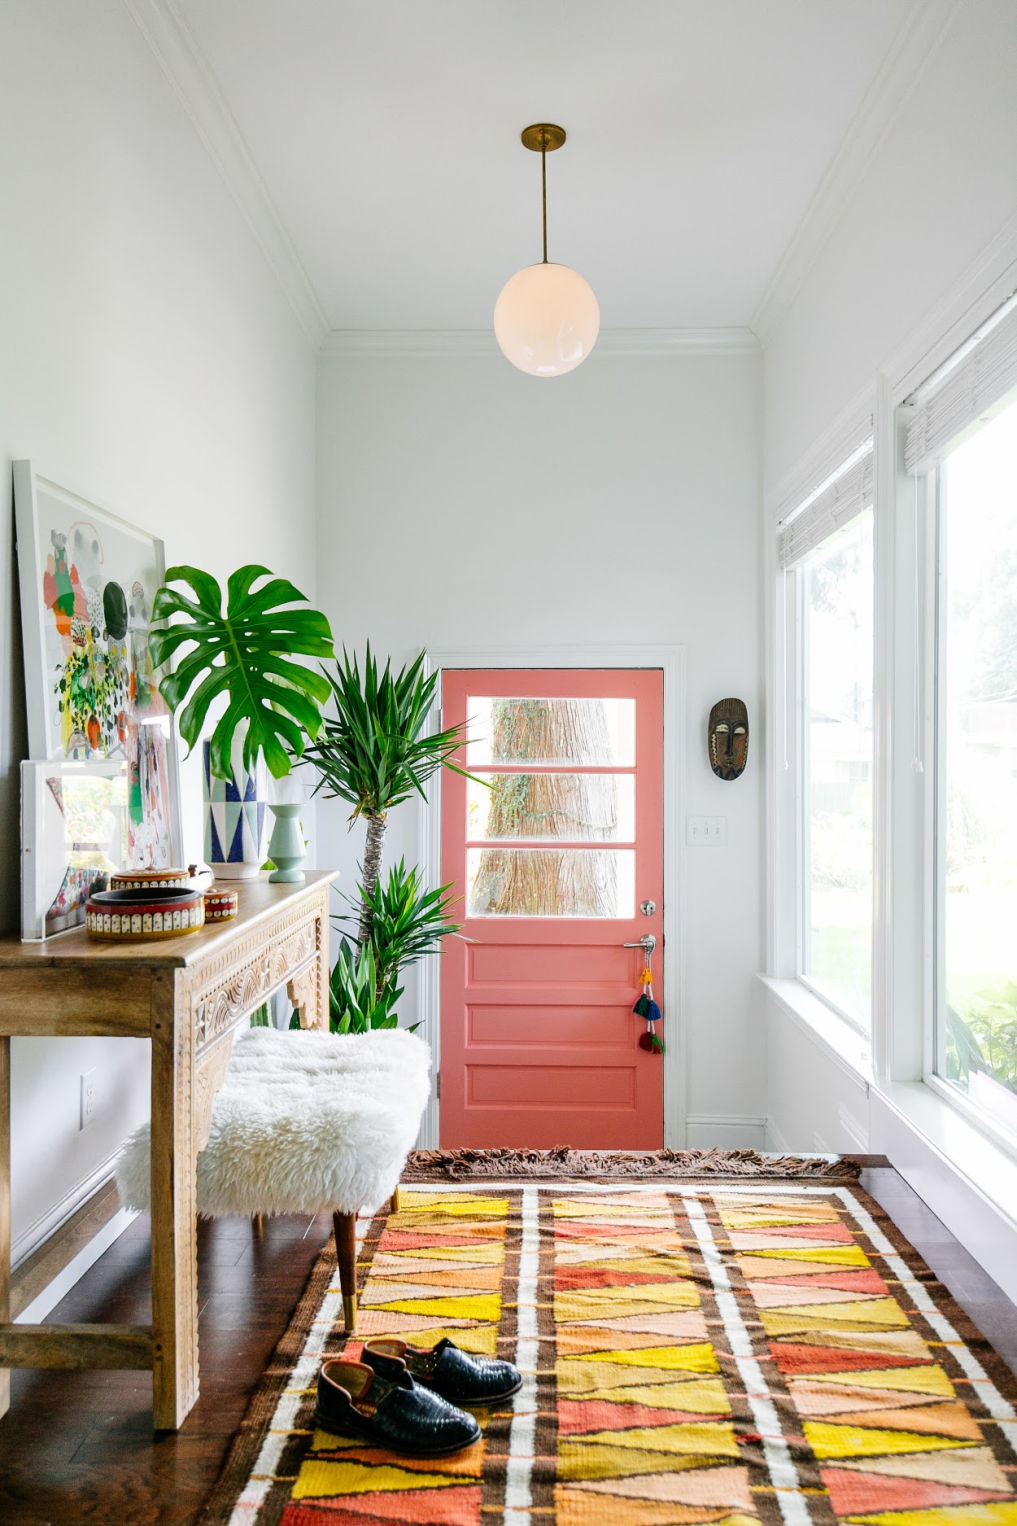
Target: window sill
[(988, 1169), (844, 1044)]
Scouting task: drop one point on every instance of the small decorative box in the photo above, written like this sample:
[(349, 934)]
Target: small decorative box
[(220, 905), (151, 912), (153, 879)]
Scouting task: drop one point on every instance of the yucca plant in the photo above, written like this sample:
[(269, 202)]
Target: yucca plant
[(244, 652), (374, 753), (408, 921), (356, 1002)]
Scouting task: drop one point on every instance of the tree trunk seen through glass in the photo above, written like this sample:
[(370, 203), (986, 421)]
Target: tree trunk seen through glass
[(548, 806)]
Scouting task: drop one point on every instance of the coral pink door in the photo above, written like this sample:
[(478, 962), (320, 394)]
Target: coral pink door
[(552, 856)]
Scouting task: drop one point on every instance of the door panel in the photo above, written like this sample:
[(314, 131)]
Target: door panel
[(551, 856)]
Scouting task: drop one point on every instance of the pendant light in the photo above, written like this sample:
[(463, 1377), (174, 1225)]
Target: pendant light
[(546, 319)]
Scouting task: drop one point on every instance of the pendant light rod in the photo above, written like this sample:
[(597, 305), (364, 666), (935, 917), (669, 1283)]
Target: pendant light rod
[(543, 195), (543, 138)]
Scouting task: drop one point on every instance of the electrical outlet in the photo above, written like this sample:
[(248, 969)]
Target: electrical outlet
[(89, 1097), (706, 831)]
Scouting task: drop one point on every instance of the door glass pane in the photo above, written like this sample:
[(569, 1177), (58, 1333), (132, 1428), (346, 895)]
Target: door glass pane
[(837, 768), (550, 882), (586, 732), (977, 850), (567, 807)]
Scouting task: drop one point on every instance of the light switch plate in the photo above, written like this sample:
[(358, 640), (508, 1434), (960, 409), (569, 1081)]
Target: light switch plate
[(706, 831)]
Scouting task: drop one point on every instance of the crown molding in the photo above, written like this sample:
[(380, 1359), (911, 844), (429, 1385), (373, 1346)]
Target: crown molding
[(196, 88), (903, 66), (401, 343)]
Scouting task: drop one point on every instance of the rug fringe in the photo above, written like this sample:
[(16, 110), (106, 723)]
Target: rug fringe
[(453, 1165)]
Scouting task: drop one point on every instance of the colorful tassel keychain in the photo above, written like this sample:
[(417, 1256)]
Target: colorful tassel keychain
[(645, 1006)]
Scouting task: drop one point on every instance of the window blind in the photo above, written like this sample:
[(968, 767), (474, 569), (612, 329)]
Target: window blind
[(962, 391), (835, 502)]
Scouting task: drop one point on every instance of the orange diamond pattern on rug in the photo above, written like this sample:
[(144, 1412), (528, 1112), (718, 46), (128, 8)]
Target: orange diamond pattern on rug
[(698, 1354), (437, 1271), (896, 1438), (645, 1426)]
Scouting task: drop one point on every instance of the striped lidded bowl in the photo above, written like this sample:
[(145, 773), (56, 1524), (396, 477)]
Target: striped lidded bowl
[(151, 912), (220, 905)]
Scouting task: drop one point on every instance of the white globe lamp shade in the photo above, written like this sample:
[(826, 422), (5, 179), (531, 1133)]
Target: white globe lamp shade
[(546, 319)]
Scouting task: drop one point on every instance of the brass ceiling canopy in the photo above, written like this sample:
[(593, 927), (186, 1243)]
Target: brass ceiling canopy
[(543, 137)]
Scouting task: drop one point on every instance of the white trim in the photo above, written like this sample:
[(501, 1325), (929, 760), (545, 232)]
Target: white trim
[(728, 1131), (35, 1312), (177, 52), (841, 1041), (47, 1224), (403, 343), (671, 661), (912, 48), (962, 1175)]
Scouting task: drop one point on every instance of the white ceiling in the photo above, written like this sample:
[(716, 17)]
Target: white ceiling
[(386, 135)]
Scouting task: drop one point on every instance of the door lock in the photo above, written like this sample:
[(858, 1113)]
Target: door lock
[(647, 908)]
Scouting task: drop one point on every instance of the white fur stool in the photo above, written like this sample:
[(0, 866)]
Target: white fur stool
[(305, 1121)]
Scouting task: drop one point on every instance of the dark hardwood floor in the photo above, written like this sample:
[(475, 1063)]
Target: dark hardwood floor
[(77, 1448)]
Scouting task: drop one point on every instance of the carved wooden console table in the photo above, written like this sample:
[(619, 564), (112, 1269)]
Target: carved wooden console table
[(188, 995)]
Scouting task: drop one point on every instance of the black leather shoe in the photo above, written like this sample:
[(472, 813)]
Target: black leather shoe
[(454, 1374), (390, 1412)]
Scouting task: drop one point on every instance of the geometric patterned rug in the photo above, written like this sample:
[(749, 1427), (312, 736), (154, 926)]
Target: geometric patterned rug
[(725, 1353)]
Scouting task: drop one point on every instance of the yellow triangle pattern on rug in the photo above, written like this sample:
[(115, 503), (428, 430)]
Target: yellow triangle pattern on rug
[(894, 1436), (646, 1434), (411, 1294), (693, 1356)]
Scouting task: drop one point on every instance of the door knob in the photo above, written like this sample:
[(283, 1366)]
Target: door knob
[(647, 943)]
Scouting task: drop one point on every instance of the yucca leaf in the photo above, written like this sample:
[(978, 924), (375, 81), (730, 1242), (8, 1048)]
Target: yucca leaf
[(243, 653)]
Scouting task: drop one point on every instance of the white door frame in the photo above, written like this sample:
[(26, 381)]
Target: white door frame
[(670, 660)]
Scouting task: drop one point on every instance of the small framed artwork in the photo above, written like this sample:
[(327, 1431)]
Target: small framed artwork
[(73, 837), (88, 581)]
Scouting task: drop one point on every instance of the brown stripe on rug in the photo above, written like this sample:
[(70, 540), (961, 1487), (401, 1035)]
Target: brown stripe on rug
[(736, 1353), (465, 1164)]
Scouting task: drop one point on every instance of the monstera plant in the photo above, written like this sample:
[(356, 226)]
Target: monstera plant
[(242, 651)]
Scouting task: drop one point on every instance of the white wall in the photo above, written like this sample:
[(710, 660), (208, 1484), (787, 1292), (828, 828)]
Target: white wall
[(942, 185), (148, 360), (931, 229), (462, 504)]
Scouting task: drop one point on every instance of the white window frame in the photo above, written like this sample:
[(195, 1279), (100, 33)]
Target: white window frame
[(786, 772), (932, 688)]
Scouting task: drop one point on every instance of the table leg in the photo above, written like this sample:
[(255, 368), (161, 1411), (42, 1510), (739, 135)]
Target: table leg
[(5, 1209), (309, 990), (174, 1234)]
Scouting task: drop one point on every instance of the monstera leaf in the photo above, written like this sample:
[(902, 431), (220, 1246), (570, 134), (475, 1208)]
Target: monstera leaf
[(245, 654)]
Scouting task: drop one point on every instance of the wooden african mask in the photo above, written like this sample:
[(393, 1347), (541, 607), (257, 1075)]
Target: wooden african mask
[(728, 738)]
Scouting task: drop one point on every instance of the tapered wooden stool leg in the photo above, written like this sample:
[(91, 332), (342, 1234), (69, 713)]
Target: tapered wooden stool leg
[(394, 1204), (346, 1253)]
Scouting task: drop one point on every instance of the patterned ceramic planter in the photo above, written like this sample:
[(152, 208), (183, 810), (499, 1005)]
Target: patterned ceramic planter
[(234, 818)]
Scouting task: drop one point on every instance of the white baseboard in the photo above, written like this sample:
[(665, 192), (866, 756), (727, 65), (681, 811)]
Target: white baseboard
[(36, 1311), (49, 1222), (726, 1131)]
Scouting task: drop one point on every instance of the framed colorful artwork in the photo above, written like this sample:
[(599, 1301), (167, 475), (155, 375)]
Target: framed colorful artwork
[(88, 580), (73, 836)]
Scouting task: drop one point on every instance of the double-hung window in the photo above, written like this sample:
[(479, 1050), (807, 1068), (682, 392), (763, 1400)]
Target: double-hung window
[(961, 451), (825, 555)]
